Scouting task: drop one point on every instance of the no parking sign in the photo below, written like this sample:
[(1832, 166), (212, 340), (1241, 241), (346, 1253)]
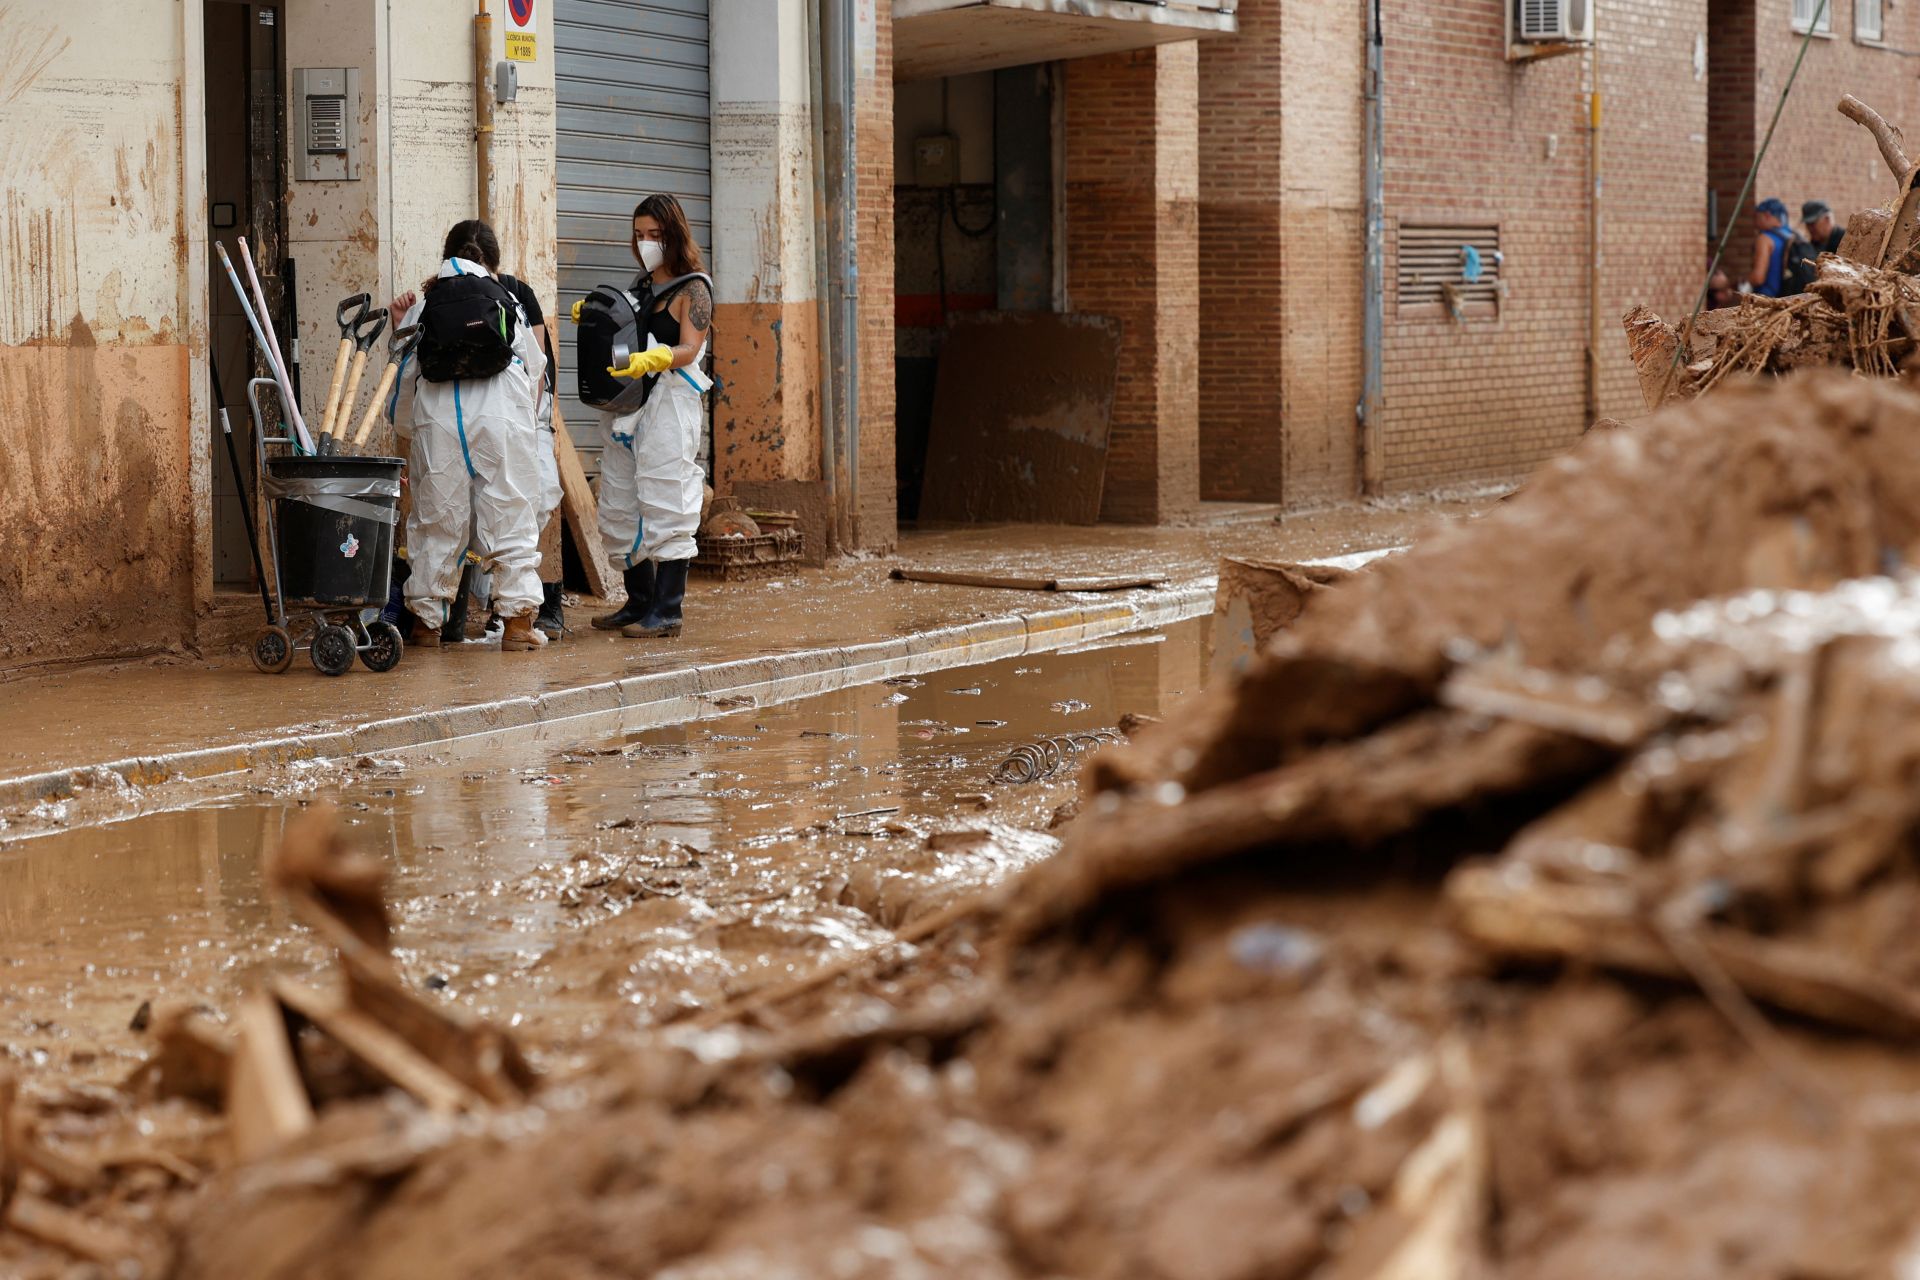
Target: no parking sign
[(522, 44)]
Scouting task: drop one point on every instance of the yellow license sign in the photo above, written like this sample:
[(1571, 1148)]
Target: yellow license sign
[(522, 46)]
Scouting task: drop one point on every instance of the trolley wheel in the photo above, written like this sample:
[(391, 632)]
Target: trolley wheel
[(384, 648), (272, 650), (332, 650)]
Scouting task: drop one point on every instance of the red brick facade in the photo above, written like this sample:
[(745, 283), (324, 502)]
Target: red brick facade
[(1132, 242), (1816, 153), (875, 519), (1214, 203), (1281, 238)]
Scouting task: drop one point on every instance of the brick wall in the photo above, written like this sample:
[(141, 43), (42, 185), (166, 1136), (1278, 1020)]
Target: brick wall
[(1132, 244), (875, 520), (1242, 282), (1816, 151), (1473, 139)]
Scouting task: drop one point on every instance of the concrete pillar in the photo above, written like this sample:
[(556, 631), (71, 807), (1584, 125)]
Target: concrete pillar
[(1132, 246), (766, 313), (1281, 240)]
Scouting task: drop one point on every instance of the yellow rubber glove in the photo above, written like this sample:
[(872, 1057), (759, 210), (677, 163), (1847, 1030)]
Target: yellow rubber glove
[(575, 313), (642, 363)]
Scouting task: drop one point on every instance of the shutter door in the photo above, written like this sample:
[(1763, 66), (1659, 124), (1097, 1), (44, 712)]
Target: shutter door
[(631, 77)]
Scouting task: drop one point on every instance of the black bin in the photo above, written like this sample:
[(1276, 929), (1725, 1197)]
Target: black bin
[(335, 518)]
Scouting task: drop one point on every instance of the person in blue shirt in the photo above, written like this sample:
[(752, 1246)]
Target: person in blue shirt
[(1769, 275)]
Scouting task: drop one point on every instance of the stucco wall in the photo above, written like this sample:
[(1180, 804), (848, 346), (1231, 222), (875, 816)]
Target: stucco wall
[(100, 447)]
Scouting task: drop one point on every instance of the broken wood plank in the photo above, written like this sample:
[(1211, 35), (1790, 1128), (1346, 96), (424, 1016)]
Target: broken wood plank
[(1550, 701), (1604, 925), (1013, 582), (378, 1049), (82, 1237), (582, 513), (267, 1103)]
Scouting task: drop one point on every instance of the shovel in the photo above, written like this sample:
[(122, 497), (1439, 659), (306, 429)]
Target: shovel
[(404, 341), (349, 313), (365, 330)]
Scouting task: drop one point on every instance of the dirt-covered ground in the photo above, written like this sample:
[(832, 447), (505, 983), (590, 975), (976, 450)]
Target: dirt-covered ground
[(1540, 904)]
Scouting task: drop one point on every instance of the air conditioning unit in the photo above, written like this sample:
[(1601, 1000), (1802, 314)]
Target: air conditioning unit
[(1554, 21)]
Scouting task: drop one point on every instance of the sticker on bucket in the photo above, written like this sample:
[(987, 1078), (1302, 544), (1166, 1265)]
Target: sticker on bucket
[(351, 547)]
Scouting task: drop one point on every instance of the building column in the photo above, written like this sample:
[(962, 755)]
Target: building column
[(875, 515), (1281, 246), (1132, 245), (766, 428)]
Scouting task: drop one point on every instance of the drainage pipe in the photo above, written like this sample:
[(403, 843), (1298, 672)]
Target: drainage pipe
[(1373, 322), (822, 274), (483, 112), (1593, 233)]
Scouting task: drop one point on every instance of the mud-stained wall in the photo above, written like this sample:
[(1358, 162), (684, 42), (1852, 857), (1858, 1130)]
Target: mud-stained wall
[(382, 234), (97, 518), (766, 315)]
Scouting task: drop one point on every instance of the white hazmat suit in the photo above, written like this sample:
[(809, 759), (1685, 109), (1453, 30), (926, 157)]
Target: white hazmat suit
[(474, 465), (651, 484)]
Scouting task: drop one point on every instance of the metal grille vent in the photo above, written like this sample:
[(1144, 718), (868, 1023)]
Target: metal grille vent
[(1541, 20), (1432, 268), (327, 126)]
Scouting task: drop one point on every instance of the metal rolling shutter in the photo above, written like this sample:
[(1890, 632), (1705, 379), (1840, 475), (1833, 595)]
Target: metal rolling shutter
[(631, 77)]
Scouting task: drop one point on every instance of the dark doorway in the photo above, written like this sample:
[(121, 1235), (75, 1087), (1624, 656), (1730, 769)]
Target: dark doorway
[(245, 177), (1731, 126)]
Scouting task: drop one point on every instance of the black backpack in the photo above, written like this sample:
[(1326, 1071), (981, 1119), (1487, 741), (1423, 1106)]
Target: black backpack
[(466, 328), (1802, 267), (612, 327)]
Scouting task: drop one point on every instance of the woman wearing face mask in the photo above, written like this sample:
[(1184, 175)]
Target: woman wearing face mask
[(651, 484)]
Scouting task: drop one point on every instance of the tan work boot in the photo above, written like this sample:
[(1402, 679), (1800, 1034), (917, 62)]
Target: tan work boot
[(424, 636), (521, 635)]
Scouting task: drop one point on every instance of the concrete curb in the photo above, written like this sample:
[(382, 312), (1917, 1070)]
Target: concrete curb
[(673, 696), (664, 697)]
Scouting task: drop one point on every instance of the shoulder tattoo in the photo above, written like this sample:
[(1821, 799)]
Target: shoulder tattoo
[(699, 305)]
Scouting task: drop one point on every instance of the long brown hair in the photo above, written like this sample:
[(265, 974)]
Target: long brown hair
[(676, 238)]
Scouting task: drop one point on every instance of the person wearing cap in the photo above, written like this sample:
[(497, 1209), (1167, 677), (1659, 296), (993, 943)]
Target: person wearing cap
[(1817, 217), (1803, 256), (1769, 274)]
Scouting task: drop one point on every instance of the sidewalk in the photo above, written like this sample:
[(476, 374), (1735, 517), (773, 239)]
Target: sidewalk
[(182, 717)]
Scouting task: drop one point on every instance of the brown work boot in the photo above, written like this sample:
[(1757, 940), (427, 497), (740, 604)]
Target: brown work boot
[(520, 635), (424, 636)]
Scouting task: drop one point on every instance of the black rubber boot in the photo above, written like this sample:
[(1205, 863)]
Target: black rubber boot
[(454, 629), (552, 618), (669, 591), (639, 580)]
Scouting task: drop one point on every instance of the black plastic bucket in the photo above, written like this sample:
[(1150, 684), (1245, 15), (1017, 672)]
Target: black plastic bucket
[(336, 520)]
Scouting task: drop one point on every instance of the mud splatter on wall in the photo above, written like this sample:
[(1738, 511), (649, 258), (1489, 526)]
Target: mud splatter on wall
[(96, 433)]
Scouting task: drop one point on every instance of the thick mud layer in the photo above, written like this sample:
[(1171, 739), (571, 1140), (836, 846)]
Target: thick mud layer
[(1515, 916), (707, 858)]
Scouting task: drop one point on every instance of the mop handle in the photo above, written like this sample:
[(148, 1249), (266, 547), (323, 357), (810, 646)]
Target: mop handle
[(253, 322), (273, 340)]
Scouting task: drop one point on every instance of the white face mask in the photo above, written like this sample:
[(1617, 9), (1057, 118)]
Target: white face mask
[(652, 255)]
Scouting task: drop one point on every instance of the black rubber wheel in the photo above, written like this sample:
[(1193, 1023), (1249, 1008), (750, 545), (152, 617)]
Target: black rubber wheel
[(384, 653), (332, 651), (272, 650)]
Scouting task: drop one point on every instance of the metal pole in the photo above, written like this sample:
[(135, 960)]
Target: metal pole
[(1593, 233), (483, 112), (822, 275), (1372, 464)]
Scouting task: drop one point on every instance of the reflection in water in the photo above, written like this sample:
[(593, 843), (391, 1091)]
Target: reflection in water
[(733, 841)]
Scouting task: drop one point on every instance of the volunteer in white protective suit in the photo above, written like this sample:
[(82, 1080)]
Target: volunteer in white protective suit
[(651, 483), (474, 460)]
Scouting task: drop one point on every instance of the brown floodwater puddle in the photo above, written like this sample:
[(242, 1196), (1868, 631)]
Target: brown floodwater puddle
[(575, 887)]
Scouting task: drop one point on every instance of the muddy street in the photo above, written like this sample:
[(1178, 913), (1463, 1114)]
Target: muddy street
[(702, 860)]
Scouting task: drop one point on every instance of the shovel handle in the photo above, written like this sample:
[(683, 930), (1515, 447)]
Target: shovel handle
[(367, 328), (352, 393), (381, 389), (334, 386)]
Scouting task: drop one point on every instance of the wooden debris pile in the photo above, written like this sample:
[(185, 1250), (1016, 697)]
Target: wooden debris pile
[(1862, 313), (220, 1093)]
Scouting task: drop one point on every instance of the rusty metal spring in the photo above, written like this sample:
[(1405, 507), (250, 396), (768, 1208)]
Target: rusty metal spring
[(1036, 761)]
